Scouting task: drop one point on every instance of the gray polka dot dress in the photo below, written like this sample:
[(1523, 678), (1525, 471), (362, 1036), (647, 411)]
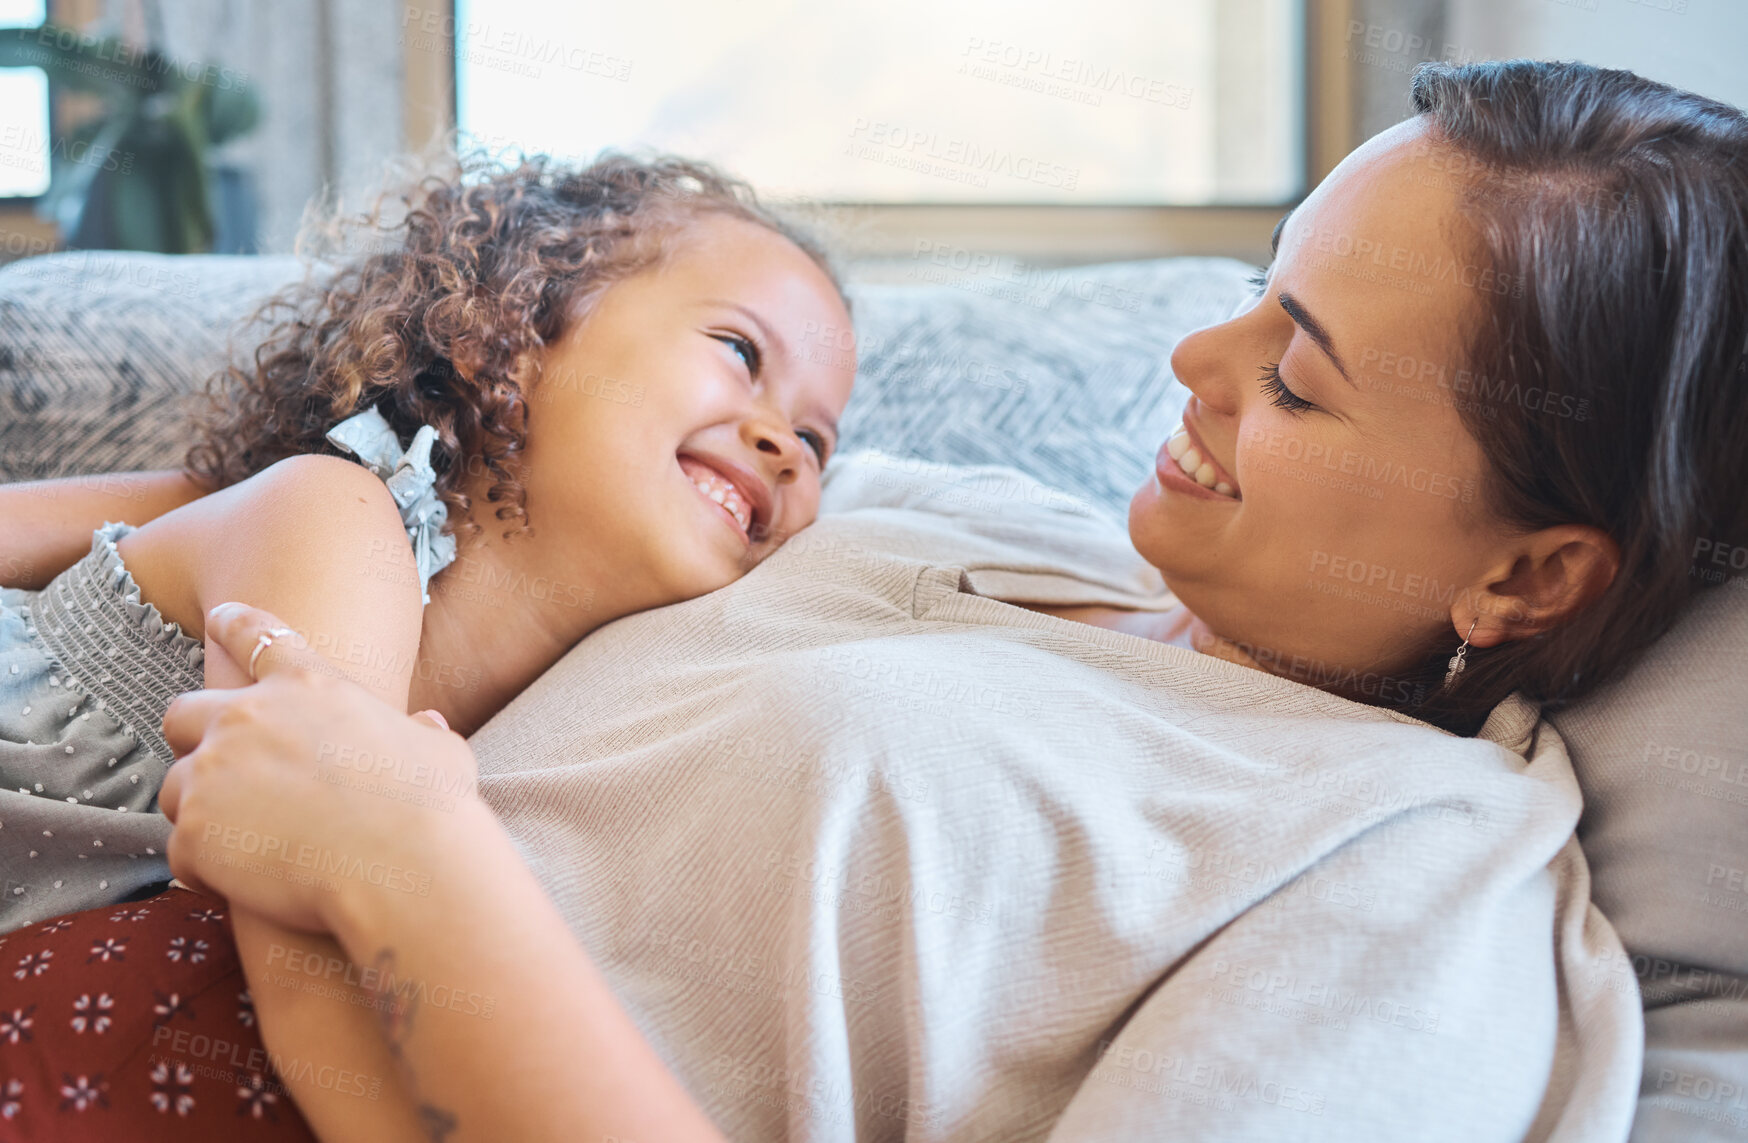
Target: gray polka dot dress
[(87, 670)]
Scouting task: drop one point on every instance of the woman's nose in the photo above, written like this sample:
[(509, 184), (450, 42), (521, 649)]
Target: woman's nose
[(776, 443), (1209, 363)]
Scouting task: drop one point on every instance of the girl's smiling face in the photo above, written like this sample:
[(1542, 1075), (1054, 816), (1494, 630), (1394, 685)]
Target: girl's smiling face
[(677, 432), (1333, 520)]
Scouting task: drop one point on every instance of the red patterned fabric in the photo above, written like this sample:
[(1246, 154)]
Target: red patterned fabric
[(134, 1023)]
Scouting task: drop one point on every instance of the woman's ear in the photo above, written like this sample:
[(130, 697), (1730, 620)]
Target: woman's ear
[(1552, 575)]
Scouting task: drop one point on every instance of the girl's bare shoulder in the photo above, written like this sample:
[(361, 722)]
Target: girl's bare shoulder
[(303, 525)]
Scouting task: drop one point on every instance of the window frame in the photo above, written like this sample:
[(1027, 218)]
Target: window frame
[(1045, 234), (30, 201)]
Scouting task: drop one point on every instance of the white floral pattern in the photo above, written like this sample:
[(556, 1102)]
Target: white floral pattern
[(33, 964), (15, 1025), (173, 1089), (179, 946), (256, 1097), (107, 948), (79, 1093), (92, 1013), (169, 1007), (10, 1104)]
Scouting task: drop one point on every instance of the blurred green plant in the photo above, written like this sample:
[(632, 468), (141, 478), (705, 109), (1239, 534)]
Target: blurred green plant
[(136, 176)]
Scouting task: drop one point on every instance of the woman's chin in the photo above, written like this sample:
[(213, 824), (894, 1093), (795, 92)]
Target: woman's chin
[(1150, 520)]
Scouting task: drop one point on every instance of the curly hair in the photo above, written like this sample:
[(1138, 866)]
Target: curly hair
[(442, 318)]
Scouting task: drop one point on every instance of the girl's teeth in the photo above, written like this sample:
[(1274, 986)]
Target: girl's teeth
[(727, 497)]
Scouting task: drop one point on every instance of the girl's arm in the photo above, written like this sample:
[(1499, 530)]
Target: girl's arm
[(503, 1024), (46, 525), (308, 538)]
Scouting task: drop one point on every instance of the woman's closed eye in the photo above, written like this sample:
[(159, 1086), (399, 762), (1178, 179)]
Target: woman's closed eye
[(1282, 397)]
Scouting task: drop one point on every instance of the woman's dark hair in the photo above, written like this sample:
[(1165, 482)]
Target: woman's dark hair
[(442, 316), (1620, 206)]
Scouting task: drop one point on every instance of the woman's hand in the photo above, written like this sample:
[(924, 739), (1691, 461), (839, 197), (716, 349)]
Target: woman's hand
[(304, 795), (528, 1042)]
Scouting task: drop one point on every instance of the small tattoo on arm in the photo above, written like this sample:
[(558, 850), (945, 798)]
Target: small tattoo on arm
[(396, 1016)]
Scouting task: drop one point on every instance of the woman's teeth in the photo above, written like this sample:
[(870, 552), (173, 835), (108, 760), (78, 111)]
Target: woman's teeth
[(722, 492), (1190, 460)]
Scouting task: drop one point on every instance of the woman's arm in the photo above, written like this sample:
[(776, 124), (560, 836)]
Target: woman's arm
[(507, 1030), (46, 525), (301, 537)]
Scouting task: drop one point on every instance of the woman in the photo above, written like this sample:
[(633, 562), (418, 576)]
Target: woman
[(1548, 552)]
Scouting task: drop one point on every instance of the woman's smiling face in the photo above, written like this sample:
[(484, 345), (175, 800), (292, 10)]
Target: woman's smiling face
[(1338, 522)]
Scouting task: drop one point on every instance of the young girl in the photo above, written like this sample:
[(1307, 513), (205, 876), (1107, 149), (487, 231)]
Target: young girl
[(590, 378)]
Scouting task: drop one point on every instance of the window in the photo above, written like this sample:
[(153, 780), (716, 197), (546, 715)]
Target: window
[(24, 112), (1155, 103)]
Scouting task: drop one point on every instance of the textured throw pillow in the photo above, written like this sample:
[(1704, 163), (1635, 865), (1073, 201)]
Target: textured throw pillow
[(99, 352), (1065, 376), (1662, 757)]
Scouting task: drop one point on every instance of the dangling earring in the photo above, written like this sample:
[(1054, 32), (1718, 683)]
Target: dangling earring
[(1458, 661)]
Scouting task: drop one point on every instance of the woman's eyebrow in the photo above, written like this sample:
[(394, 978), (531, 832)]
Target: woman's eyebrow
[(1314, 329)]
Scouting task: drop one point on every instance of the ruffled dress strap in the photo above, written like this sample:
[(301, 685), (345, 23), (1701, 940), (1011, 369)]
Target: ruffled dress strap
[(411, 481)]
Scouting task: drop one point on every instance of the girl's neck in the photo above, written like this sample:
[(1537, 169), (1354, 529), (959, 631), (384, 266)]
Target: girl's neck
[(496, 621)]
